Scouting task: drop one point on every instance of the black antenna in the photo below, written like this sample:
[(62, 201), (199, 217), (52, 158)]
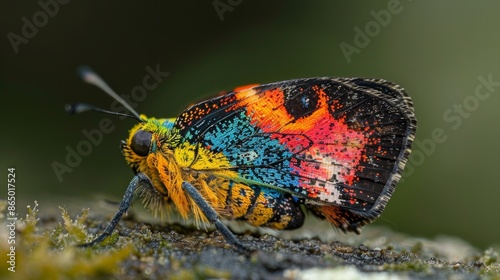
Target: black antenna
[(78, 108), (91, 77)]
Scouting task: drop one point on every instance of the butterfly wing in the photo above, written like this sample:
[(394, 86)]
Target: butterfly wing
[(339, 142)]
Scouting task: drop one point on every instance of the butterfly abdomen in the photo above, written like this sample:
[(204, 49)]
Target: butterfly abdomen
[(261, 206)]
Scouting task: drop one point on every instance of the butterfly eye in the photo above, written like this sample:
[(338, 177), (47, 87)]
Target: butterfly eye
[(140, 142)]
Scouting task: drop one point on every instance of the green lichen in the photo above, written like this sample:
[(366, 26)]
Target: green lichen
[(44, 253), (75, 229)]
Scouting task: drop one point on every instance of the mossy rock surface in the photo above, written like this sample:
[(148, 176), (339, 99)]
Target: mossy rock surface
[(45, 249)]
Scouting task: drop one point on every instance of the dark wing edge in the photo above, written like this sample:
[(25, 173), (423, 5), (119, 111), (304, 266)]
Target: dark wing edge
[(398, 96)]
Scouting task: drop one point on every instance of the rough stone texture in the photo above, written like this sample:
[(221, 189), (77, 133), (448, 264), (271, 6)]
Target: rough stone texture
[(154, 250)]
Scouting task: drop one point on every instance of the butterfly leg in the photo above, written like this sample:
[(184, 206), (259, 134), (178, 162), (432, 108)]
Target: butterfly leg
[(213, 217), (138, 180)]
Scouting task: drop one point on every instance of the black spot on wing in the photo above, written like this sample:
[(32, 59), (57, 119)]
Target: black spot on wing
[(301, 101)]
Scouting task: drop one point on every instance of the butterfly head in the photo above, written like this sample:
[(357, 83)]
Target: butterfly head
[(145, 138)]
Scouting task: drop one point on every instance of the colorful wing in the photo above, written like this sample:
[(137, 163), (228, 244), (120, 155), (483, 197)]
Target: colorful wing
[(332, 141)]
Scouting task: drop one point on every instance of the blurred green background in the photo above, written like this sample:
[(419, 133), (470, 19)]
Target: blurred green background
[(435, 49)]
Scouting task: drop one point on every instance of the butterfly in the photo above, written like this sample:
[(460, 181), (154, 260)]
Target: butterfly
[(262, 154)]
